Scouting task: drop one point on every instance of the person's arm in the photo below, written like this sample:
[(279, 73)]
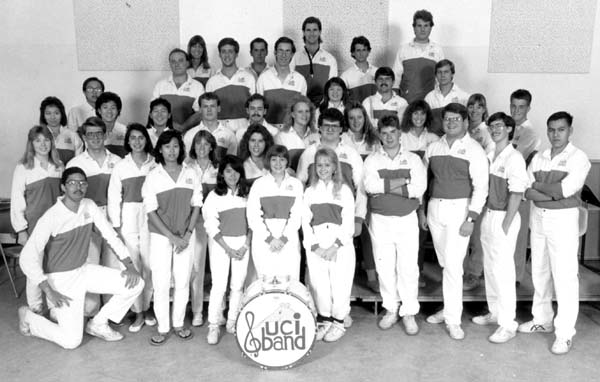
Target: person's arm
[(514, 201), (18, 203), (309, 240), (114, 197), (333, 72), (77, 144), (210, 212), (303, 85), (536, 196), (479, 174), (348, 217), (254, 213), (398, 71), (372, 182), (303, 163), (295, 218)]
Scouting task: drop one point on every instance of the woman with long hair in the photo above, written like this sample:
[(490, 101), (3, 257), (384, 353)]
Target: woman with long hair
[(254, 145), (335, 96), (199, 69), (478, 129), (53, 116), (359, 134), (415, 125)]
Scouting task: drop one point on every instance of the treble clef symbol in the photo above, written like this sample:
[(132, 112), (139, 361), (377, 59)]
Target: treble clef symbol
[(251, 344)]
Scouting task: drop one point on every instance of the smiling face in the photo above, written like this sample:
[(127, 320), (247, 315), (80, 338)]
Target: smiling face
[(390, 137), (203, 148), (108, 112), (228, 55), (335, 93), (519, 108), (231, 177), (499, 131), (94, 137), (454, 125), (196, 51), (301, 114), (52, 115), (170, 151), (256, 111), (384, 84), (311, 34), (278, 165), (418, 118), (324, 167), (476, 112), (178, 63), (75, 187), (356, 120), (160, 115), (256, 145), (41, 145), (283, 54), (137, 141)]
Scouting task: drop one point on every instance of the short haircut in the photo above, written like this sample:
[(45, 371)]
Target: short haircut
[(259, 40), (418, 105), (507, 119), (53, 101), (238, 166), (424, 15), (164, 139), (456, 108), (480, 99), (156, 102), (107, 97), (560, 115), (199, 40), (312, 20), (522, 94), (70, 171), (229, 41), (388, 120), (362, 40), (177, 50), (277, 151), (385, 71), (90, 79), (255, 128), (445, 62), (209, 96), (332, 115), (208, 137), (285, 40), (142, 129), (257, 97), (93, 121), (333, 81)]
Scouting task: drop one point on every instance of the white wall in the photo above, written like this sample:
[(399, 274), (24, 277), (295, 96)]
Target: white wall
[(38, 59)]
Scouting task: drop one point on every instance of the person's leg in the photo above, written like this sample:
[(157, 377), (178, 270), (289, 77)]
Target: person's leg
[(198, 269), (406, 266), (541, 274), (385, 262), (34, 295), (319, 282), (161, 253), (182, 268), (341, 277), (219, 268), (92, 301), (239, 270), (520, 255), (504, 271)]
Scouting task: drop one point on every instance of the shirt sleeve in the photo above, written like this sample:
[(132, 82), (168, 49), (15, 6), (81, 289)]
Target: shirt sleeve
[(578, 167), (372, 182), (156, 91), (360, 205), (77, 143), (210, 214), (72, 119), (418, 178), (528, 142), (149, 194), (17, 199), (333, 72), (398, 69), (254, 213), (303, 163), (348, 215), (32, 254), (307, 230), (295, 219), (260, 86), (518, 180), (233, 144), (197, 195), (303, 86), (114, 198), (479, 173)]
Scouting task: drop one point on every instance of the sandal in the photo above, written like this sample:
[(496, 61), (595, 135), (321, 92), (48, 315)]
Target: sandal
[(184, 333), (159, 339)]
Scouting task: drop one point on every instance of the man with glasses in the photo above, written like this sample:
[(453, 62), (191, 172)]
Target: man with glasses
[(279, 83), (55, 259), (92, 88), (458, 191)]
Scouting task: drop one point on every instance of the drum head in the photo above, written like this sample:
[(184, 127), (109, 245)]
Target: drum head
[(275, 330)]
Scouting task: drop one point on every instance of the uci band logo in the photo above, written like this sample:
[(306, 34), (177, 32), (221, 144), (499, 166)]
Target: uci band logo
[(284, 335)]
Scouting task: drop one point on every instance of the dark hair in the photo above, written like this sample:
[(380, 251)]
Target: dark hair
[(480, 99), (209, 96), (362, 40), (70, 171), (312, 20), (164, 139), (229, 41), (424, 15), (137, 127), (198, 40), (456, 108), (255, 128), (90, 79), (560, 115), (286, 40), (92, 121), (156, 102), (521, 94), (259, 40), (507, 119), (418, 105), (238, 166), (445, 62), (333, 115), (384, 71), (208, 137), (108, 97), (257, 97), (177, 50), (276, 151), (53, 101), (333, 81), (369, 133), (388, 120)]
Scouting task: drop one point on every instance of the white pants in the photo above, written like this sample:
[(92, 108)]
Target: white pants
[(282, 263), (139, 251), (331, 281), (220, 263), (522, 240), (499, 266), (75, 284), (444, 217), (198, 266), (164, 263), (396, 250), (554, 247)]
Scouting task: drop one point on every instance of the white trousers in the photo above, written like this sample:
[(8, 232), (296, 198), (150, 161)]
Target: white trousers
[(88, 278), (220, 265), (139, 251), (396, 251), (198, 266), (283, 263), (331, 281), (444, 217), (165, 263), (554, 247), (499, 266)]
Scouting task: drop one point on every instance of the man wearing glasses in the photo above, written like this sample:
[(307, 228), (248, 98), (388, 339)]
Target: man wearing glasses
[(53, 259), (92, 88), (457, 193)]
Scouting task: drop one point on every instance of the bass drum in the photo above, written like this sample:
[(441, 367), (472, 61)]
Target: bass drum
[(276, 325)]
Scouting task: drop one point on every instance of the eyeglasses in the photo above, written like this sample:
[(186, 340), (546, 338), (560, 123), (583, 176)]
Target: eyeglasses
[(76, 183), (453, 119), (97, 134), (327, 126), (95, 90)]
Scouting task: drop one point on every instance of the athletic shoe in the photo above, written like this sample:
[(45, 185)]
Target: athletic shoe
[(436, 318), (197, 319), (561, 346), (103, 331), (502, 335), (485, 319), (322, 329), (230, 326), (348, 321), (149, 318), (388, 320), (213, 334), (471, 282), (532, 327), (23, 324), (335, 332), (410, 325), (455, 331), (136, 325)]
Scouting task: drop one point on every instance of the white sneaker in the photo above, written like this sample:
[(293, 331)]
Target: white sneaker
[(410, 325), (197, 319), (561, 346), (532, 327), (388, 320), (436, 318), (213, 334), (455, 332), (103, 331), (23, 324), (230, 326), (502, 335), (348, 321), (335, 332), (137, 324), (322, 329), (485, 319)]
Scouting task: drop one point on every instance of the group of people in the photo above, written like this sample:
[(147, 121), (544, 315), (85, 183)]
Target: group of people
[(262, 167)]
